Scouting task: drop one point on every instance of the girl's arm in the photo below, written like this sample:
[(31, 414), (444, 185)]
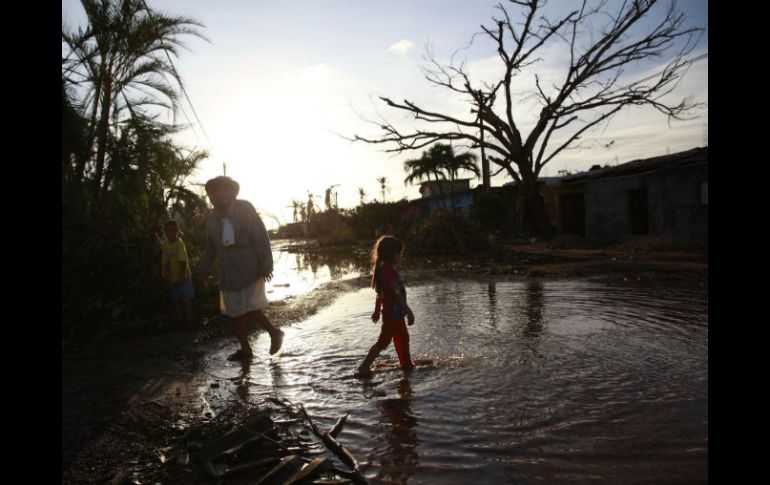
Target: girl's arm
[(377, 307), (402, 302)]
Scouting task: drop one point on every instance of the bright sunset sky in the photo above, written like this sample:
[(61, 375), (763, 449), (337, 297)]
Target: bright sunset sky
[(281, 79)]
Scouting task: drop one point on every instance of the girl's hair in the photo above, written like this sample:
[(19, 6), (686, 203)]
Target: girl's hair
[(384, 249)]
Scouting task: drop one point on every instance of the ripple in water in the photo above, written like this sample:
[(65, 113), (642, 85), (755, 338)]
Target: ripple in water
[(516, 382)]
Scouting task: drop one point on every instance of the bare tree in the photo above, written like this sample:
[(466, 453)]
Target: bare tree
[(590, 92)]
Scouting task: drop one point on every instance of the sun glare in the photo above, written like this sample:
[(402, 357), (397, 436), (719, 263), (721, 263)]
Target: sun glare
[(275, 144)]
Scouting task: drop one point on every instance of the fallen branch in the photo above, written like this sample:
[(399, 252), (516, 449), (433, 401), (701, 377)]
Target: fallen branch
[(338, 426), (340, 451), (251, 464)]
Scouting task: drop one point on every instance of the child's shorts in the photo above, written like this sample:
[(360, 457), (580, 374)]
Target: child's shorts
[(181, 292)]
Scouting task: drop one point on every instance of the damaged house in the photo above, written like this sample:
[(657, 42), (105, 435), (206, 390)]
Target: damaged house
[(661, 196)]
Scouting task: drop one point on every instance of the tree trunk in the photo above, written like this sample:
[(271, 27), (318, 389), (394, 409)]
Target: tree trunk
[(532, 217), (81, 167), (102, 135)]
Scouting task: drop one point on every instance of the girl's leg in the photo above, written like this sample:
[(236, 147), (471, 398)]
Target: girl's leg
[(373, 353), (386, 334), (401, 342)]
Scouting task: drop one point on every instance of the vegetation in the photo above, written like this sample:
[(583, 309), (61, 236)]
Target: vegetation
[(122, 175), (367, 220), (452, 234)]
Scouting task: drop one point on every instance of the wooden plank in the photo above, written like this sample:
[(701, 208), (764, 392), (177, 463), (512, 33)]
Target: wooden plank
[(279, 473), (308, 470)]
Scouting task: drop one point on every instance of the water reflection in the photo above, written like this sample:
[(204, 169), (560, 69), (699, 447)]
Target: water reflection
[(534, 308), (494, 316), (399, 459), (534, 381), (242, 388), (298, 273), (277, 379)]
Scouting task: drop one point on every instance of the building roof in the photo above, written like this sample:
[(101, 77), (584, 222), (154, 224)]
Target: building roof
[(444, 181), (695, 156), (540, 180)]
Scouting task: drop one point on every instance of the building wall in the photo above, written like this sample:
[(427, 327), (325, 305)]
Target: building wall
[(570, 210), (550, 195), (462, 203), (433, 188), (675, 206)]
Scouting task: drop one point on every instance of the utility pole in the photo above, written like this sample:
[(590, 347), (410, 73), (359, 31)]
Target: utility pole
[(484, 163)]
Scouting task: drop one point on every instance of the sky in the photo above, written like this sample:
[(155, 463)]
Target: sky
[(280, 84)]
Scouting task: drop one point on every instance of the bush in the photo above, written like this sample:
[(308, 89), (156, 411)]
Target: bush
[(486, 212), (365, 219), (340, 236), (449, 234)]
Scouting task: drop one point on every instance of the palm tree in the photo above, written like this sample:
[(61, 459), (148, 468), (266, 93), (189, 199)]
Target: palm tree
[(383, 181), (122, 62), (454, 163), (422, 168), (296, 206), (74, 126), (440, 162), (330, 199)]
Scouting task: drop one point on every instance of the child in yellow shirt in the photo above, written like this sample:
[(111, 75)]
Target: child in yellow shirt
[(175, 268)]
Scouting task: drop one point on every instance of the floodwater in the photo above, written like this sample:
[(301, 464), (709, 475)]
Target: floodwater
[(517, 382), (297, 273)]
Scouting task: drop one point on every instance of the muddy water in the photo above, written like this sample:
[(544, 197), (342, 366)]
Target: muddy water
[(297, 273), (517, 382)]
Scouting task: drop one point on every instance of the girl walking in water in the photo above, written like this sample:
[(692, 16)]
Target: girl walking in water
[(391, 297)]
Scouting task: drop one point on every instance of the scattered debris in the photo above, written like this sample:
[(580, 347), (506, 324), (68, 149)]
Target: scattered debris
[(272, 441)]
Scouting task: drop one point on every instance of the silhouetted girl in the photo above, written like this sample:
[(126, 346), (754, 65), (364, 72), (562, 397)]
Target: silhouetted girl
[(391, 297)]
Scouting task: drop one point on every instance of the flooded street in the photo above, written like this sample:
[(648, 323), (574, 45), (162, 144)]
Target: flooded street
[(516, 382), (297, 273)]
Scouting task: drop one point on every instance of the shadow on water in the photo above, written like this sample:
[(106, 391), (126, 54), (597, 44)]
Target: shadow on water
[(242, 386)]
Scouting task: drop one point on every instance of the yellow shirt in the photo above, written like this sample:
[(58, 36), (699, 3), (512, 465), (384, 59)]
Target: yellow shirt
[(173, 254)]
